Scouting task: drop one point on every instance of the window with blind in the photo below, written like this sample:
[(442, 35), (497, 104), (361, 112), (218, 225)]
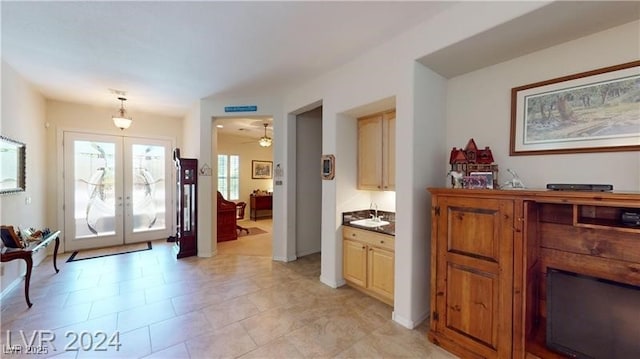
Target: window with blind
[(229, 176)]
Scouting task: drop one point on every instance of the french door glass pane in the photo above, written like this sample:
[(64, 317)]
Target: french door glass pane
[(95, 207), (148, 192)]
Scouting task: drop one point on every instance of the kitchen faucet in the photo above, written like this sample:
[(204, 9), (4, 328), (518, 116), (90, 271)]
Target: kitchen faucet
[(374, 206)]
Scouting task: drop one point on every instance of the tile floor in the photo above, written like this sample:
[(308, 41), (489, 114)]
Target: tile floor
[(228, 306), (252, 244)]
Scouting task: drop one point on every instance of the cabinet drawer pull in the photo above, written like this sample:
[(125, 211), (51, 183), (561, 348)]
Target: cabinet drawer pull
[(353, 234), (381, 242), (363, 247)]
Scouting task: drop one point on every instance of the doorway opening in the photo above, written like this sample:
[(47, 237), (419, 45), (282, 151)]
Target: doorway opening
[(244, 174), (308, 182), (117, 190)]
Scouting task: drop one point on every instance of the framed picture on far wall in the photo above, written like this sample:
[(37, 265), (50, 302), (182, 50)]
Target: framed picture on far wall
[(261, 169), (593, 111)]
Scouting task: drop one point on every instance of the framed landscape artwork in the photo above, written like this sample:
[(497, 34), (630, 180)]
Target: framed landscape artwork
[(594, 111), (261, 169)]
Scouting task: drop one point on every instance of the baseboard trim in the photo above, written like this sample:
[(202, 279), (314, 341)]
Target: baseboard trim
[(408, 323), (203, 254), (284, 259), (306, 253), (11, 286), (332, 283)]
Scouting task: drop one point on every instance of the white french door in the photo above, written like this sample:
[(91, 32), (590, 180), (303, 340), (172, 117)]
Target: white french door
[(116, 190)]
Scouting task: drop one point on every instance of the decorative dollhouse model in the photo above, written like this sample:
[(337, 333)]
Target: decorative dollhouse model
[(472, 161)]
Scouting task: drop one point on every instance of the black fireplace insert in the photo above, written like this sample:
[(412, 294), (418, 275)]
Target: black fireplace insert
[(592, 318)]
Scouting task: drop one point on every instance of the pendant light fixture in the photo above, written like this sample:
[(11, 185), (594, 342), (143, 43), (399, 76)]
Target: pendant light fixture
[(121, 121), (265, 141)]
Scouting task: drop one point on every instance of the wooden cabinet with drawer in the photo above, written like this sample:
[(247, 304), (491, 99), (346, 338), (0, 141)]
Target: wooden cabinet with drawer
[(368, 262)]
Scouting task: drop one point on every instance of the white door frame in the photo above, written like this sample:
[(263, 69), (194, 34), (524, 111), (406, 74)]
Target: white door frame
[(124, 168)]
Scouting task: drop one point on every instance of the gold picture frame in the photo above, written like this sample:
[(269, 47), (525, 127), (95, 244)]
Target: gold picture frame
[(12, 163), (593, 111), (261, 169)]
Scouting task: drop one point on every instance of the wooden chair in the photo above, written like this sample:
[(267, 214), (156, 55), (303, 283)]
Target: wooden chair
[(226, 219), (240, 206)]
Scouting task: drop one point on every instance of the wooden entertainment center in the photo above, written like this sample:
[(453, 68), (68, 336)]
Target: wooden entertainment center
[(490, 250)]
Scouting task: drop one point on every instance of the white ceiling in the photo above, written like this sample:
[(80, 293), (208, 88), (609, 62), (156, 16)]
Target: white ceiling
[(168, 55), (245, 127)]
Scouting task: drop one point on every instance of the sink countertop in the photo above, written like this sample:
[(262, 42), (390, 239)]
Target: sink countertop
[(389, 229)]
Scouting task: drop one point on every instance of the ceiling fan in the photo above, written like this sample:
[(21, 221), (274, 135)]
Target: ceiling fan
[(256, 131), (264, 140)]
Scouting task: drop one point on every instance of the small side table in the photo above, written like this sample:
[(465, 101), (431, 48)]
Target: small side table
[(10, 254)]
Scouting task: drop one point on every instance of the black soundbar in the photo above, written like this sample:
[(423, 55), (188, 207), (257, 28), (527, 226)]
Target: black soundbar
[(580, 187)]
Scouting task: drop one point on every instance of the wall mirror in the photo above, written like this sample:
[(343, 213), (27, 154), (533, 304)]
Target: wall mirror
[(12, 164)]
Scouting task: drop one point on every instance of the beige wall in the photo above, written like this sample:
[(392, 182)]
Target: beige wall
[(191, 123), (478, 106), (29, 118), (64, 116), (23, 119), (390, 71), (435, 114), (248, 150), (71, 116)]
